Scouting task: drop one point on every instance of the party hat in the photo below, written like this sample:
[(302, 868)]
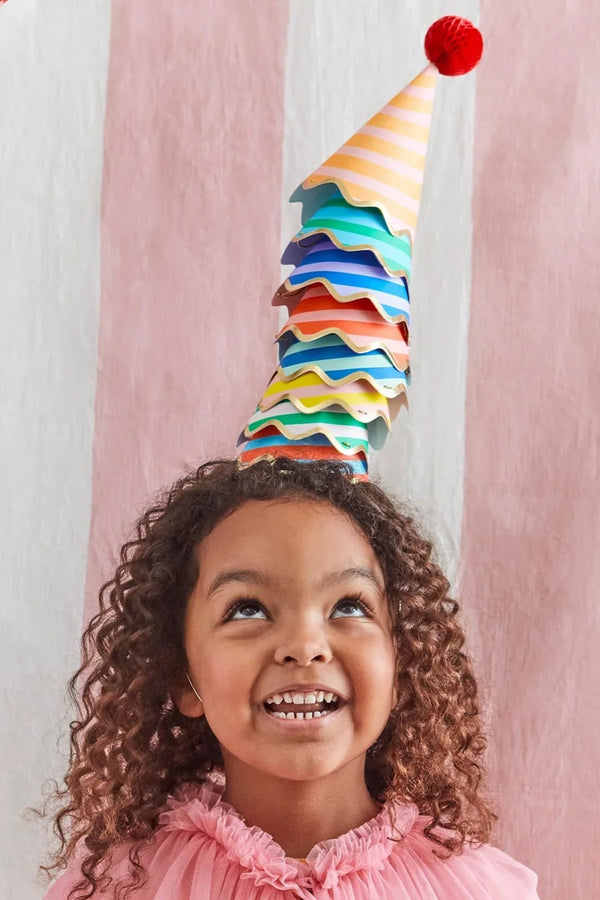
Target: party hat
[(343, 369)]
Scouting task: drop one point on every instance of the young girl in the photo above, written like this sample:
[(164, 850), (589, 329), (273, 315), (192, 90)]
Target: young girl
[(276, 705)]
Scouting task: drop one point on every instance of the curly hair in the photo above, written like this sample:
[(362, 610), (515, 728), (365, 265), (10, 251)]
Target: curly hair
[(130, 747)]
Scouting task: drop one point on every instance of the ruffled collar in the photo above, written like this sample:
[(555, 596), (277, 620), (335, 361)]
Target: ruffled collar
[(201, 808)]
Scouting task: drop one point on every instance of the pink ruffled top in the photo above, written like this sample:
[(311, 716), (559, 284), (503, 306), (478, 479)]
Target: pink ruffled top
[(205, 851)]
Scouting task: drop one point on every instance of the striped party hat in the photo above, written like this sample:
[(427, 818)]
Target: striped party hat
[(343, 369)]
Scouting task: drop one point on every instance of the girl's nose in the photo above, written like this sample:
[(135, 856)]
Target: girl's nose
[(303, 644)]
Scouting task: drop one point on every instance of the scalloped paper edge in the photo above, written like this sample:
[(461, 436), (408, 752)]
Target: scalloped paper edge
[(384, 390), (355, 201), (269, 457), (397, 273), (284, 292), (345, 337), (313, 430), (332, 400)]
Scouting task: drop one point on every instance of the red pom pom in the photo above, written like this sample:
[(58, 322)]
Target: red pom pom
[(453, 45)]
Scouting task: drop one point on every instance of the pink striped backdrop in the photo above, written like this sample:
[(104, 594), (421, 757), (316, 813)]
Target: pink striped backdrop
[(203, 125), (190, 246), (530, 559)]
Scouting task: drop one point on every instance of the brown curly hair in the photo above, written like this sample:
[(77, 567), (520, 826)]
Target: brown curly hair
[(131, 747)]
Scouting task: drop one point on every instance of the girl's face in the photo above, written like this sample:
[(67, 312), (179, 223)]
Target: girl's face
[(281, 606)]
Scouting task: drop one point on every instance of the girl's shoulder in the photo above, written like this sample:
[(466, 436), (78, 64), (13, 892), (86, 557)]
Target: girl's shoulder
[(202, 844), (480, 872)]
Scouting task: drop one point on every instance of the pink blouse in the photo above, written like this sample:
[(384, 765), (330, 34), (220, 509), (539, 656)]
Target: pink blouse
[(205, 851)]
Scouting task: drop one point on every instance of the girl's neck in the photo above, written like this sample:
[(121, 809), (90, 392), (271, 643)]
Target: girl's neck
[(300, 814)]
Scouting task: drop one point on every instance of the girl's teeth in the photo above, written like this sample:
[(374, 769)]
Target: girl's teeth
[(299, 715), (298, 699), (304, 699)]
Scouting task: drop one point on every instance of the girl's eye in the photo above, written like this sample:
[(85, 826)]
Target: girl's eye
[(246, 606), (242, 606), (358, 602)]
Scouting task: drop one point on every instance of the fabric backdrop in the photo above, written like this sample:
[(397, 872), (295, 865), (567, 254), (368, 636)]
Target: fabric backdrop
[(147, 153)]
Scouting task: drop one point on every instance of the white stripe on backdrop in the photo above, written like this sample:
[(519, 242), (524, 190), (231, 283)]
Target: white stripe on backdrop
[(52, 94)]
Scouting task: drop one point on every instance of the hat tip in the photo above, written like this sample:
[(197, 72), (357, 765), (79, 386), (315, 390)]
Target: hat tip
[(454, 45)]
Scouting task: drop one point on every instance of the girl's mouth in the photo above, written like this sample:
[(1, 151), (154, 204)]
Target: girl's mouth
[(291, 712)]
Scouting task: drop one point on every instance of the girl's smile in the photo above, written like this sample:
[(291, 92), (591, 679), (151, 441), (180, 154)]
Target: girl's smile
[(289, 616)]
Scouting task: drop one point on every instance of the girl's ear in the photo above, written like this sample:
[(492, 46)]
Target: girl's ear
[(185, 698)]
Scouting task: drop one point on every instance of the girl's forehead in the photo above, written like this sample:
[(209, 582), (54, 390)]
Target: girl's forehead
[(287, 536), (265, 521)]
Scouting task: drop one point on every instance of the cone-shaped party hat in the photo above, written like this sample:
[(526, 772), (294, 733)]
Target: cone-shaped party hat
[(343, 368)]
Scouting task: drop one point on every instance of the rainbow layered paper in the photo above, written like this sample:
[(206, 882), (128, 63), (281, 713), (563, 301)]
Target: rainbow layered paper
[(343, 368), (352, 228)]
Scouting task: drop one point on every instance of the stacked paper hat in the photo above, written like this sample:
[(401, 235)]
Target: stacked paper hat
[(343, 368)]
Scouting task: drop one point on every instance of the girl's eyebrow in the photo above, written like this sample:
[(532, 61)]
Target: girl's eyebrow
[(256, 577)]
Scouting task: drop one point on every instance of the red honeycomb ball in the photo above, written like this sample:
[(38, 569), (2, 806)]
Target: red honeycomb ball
[(453, 45)]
